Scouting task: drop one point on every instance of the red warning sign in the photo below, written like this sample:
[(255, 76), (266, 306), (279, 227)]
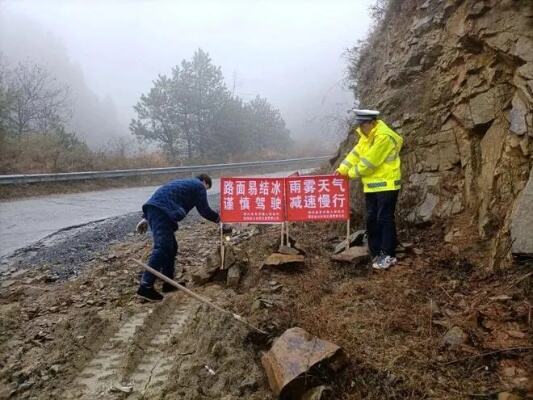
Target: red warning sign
[(255, 200), (317, 198)]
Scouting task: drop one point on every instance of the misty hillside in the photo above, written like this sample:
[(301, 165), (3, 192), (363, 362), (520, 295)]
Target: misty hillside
[(94, 118)]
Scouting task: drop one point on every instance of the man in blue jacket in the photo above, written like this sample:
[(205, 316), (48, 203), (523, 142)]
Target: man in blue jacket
[(168, 205)]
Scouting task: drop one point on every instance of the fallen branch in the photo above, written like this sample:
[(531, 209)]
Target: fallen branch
[(490, 353), (196, 296), (517, 281)]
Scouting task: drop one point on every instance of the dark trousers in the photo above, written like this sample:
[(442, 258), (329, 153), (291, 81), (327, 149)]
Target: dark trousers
[(380, 223), (165, 246)]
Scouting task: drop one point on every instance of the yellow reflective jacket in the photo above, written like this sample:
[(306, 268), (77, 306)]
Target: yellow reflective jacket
[(375, 159)]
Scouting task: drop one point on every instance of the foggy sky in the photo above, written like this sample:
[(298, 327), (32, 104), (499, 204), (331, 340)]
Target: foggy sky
[(287, 51)]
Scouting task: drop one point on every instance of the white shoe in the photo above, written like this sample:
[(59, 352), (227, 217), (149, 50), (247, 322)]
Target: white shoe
[(384, 262), (376, 261)]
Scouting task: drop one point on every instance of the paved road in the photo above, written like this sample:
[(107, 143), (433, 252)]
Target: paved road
[(23, 222)]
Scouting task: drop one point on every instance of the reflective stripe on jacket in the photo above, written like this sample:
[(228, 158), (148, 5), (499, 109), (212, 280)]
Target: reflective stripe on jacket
[(375, 159)]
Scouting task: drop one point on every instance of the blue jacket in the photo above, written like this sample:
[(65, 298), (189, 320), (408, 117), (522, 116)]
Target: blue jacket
[(176, 198)]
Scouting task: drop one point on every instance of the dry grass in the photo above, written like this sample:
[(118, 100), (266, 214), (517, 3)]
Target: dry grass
[(48, 153), (384, 321)]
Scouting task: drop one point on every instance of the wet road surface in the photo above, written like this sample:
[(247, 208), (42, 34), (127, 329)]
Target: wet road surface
[(26, 221)]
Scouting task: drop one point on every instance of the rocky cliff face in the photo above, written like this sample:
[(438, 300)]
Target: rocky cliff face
[(455, 78)]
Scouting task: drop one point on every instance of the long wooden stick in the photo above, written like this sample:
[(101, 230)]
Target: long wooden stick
[(196, 296), (282, 234), (288, 235)]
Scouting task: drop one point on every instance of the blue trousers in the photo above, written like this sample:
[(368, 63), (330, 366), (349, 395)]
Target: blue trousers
[(165, 246), (380, 222)]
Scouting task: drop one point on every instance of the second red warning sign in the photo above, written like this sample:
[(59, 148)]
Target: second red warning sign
[(317, 198)]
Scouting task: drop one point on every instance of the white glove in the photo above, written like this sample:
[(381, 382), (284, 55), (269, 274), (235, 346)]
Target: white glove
[(142, 226)]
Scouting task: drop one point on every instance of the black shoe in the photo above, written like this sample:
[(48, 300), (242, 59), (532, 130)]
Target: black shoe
[(149, 294), (168, 288)]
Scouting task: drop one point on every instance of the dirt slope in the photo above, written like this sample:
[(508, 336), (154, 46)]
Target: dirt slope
[(88, 337)]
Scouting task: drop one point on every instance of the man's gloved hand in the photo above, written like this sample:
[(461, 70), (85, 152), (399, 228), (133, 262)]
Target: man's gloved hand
[(226, 229), (142, 226)]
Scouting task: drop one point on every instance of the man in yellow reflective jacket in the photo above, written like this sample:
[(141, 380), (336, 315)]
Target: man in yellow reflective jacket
[(376, 160)]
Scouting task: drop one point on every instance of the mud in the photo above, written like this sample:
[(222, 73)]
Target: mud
[(218, 362), (88, 337)]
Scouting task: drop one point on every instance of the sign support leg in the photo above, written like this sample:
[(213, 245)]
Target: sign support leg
[(348, 234), (221, 247)]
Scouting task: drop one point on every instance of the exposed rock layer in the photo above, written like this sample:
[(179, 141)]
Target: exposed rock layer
[(455, 78)]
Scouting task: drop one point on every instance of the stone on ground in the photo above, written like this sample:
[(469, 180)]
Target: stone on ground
[(205, 272), (230, 257), (212, 265), (508, 396), (288, 250), (292, 356), (317, 393), (278, 260), (234, 275), (356, 239), (454, 337), (353, 254)]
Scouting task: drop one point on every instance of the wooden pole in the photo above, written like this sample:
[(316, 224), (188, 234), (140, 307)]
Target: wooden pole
[(288, 235), (195, 296), (221, 246), (430, 316), (282, 234), (348, 234)]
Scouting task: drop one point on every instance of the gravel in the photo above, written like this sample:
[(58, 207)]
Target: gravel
[(67, 251)]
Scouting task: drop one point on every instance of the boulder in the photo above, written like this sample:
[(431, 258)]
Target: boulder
[(293, 355), (522, 221)]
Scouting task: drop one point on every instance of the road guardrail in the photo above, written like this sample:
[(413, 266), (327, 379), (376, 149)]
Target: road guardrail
[(72, 176)]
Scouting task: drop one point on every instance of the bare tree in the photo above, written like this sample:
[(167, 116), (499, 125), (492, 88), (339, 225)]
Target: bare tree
[(3, 96), (35, 101)]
